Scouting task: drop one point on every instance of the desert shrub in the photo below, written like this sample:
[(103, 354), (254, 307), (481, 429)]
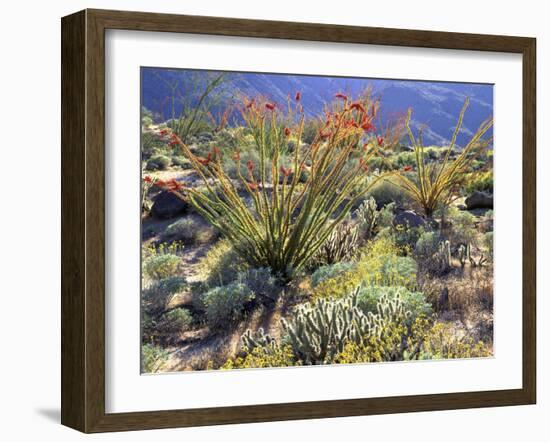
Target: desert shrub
[(414, 302), (330, 271), (173, 322), (161, 266), (153, 358), (380, 264), (488, 243), (463, 230), (157, 297), (433, 253), (150, 144), (395, 341), (405, 159), (482, 181), (260, 281), (386, 192), (443, 342), (407, 237), (221, 264), (186, 230), (146, 121), (260, 351), (158, 162), (386, 216), (181, 162), (225, 305)]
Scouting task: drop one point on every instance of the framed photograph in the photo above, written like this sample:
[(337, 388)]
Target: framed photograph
[(266, 221)]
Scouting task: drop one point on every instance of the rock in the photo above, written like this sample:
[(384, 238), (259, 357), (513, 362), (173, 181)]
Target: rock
[(167, 205), (461, 207), (479, 200), (408, 218)]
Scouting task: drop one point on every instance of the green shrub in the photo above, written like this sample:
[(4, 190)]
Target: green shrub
[(405, 159), (182, 162), (158, 162), (159, 294), (174, 322), (463, 230), (225, 305), (153, 358), (330, 271), (488, 243), (260, 282), (443, 342), (221, 264), (185, 229), (161, 266), (386, 192), (414, 302)]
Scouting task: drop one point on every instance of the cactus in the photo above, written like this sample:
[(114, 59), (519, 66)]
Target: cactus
[(367, 217), (339, 246), (318, 333), (260, 339), (464, 254)]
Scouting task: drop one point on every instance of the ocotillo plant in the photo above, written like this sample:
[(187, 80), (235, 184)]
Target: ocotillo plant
[(435, 182), (294, 208)]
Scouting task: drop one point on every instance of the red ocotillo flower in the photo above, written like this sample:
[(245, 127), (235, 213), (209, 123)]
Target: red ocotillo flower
[(325, 135), (147, 179), (173, 185), (250, 104), (357, 106), (380, 140), (270, 106), (286, 172), (163, 132), (253, 186), (205, 161), (250, 166), (367, 126), (287, 132), (298, 96), (407, 168), (160, 183), (341, 96)]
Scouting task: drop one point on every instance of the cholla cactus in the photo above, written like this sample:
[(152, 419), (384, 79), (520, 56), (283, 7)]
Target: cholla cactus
[(260, 339), (464, 254), (290, 218), (367, 217), (318, 333), (339, 246)]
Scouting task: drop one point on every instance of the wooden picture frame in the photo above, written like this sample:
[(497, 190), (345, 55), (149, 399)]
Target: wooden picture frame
[(83, 220)]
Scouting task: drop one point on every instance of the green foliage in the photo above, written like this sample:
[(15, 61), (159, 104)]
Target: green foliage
[(181, 162), (380, 264), (488, 243), (386, 191), (146, 121), (260, 281), (443, 342), (225, 305), (405, 159), (161, 266), (482, 181), (434, 182), (221, 264), (157, 297), (414, 302), (386, 216), (158, 162), (153, 358), (173, 322), (186, 230), (463, 230), (330, 271)]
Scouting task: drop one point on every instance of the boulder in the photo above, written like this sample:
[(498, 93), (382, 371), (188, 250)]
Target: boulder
[(408, 218), (479, 200), (167, 205)]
